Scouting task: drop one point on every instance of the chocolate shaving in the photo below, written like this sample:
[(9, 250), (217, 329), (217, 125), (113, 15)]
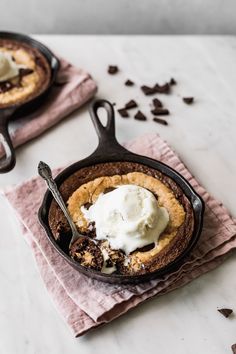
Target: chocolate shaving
[(157, 103), (112, 69), (129, 83), (159, 120), (225, 312), (162, 88), (131, 104), (123, 113), (160, 111), (188, 100), (173, 81), (148, 90), (140, 116), (233, 347)]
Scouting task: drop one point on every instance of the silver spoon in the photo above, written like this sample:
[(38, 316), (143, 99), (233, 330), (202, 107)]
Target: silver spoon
[(45, 172)]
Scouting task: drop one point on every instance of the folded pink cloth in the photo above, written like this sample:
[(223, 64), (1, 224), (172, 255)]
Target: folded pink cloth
[(85, 303), (73, 87)]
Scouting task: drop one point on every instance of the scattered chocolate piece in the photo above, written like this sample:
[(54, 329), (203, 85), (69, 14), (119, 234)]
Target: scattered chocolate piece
[(131, 104), (112, 69), (129, 83), (172, 81), (162, 88), (225, 312), (188, 100), (123, 113), (161, 121), (157, 103), (140, 116), (113, 104), (148, 90), (160, 111), (233, 347)]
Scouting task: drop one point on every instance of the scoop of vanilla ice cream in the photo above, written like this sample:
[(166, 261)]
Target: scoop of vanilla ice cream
[(128, 217), (8, 68)]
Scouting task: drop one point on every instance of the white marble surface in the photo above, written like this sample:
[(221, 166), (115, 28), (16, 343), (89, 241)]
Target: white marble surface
[(186, 320)]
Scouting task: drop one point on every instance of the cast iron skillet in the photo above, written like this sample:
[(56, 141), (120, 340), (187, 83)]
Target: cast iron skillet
[(16, 111), (109, 150)]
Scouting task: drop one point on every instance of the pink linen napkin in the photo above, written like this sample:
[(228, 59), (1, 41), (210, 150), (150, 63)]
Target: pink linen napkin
[(85, 303), (73, 87)]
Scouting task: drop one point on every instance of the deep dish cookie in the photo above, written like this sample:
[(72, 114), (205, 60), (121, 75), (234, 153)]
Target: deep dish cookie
[(24, 72), (84, 187)]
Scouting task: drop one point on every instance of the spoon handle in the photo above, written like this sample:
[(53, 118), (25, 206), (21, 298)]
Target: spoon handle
[(46, 173)]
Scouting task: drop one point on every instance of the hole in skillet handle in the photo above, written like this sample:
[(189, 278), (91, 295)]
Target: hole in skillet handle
[(107, 130), (108, 145)]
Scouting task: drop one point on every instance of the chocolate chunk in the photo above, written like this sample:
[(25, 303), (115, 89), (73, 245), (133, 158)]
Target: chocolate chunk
[(225, 312), (162, 88), (156, 89), (140, 116), (26, 71), (145, 248), (148, 90), (131, 104), (6, 86), (129, 83), (87, 205), (91, 230), (108, 190), (112, 69), (159, 120), (233, 347), (123, 113), (173, 81), (160, 111), (188, 100), (109, 263), (157, 103)]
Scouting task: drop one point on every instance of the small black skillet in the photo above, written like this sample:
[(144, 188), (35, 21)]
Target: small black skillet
[(109, 150), (7, 162)]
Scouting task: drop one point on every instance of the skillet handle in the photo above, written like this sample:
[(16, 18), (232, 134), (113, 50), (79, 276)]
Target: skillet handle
[(106, 134), (8, 161)]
